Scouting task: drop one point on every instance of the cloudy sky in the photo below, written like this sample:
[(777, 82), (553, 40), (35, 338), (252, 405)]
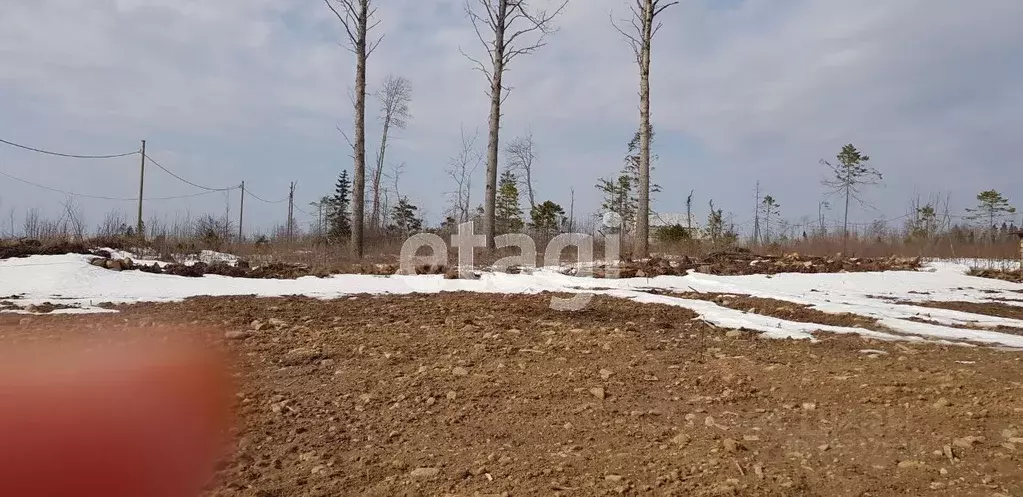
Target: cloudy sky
[(743, 90)]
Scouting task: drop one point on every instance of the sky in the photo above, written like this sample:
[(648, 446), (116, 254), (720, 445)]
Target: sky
[(742, 91)]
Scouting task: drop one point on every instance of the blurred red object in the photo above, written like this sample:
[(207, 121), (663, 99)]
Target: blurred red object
[(136, 421)]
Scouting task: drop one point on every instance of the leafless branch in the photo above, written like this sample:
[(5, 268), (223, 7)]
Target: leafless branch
[(461, 169), (394, 96), (349, 13), (541, 22), (347, 19), (520, 158), (640, 22), (395, 175), (508, 21), (350, 144), (478, 66)]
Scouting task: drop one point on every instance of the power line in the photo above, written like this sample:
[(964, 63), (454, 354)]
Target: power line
[(168, 171), (253, 195), (60, 154), (299, 209), (98, 197)]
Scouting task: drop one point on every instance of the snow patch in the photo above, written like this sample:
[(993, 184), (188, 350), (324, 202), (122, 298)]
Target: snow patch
[(70, 279)]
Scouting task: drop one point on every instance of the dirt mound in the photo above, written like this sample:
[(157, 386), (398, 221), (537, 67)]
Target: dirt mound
[(741, 262), (275, 270), (26, 248), (998, 274)]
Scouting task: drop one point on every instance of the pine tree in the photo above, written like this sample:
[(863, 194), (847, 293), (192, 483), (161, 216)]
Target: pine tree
[(404, 217), (850, 174), (924, 222), (715, 223), (618, 198), (509, 214), (632, 170), (339, 220), (991, 207), (769, 207), (547, 217), (621, 193)]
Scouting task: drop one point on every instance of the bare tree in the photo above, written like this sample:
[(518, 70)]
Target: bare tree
[(356, 17), (394, 97), (822, 206), (395, 176), (31, 228), (640, 34), (461, 168), (73, 220), (689, 211), (520, 159), (506, 22), (115, 223)]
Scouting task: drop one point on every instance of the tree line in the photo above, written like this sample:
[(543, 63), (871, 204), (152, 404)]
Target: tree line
[(507, 30)]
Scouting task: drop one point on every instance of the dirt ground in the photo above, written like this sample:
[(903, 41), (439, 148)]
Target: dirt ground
[(790, 311), (997, 309), (470, 394)]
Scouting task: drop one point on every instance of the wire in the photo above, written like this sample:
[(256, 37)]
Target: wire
[(65, 192), (168, 171), (73, 156), (253, 195), (99, 197), (177, 196)]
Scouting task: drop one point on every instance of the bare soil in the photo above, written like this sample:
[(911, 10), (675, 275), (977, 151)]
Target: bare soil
[(469, 394), (1002, 329), (998, 274), (782, 309), (998, 309)]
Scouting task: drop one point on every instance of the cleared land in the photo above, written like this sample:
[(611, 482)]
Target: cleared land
[(470, 394)]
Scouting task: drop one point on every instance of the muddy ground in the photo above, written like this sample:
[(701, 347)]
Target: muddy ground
[(468, 394)]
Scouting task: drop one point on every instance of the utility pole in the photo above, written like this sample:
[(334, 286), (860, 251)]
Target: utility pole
[(241, 214), (142, 184), (756, 218), (291, 211)]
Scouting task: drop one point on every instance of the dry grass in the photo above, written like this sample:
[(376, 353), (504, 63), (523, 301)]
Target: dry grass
[(182, 236)]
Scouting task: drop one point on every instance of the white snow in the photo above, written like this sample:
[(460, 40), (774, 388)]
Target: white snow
[(69, 279)]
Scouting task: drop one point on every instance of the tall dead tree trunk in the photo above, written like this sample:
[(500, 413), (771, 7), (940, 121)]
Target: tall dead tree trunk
[(493, 129), (394, 97), (378, 173), (643, 28), (506, 21), (355, 17)]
